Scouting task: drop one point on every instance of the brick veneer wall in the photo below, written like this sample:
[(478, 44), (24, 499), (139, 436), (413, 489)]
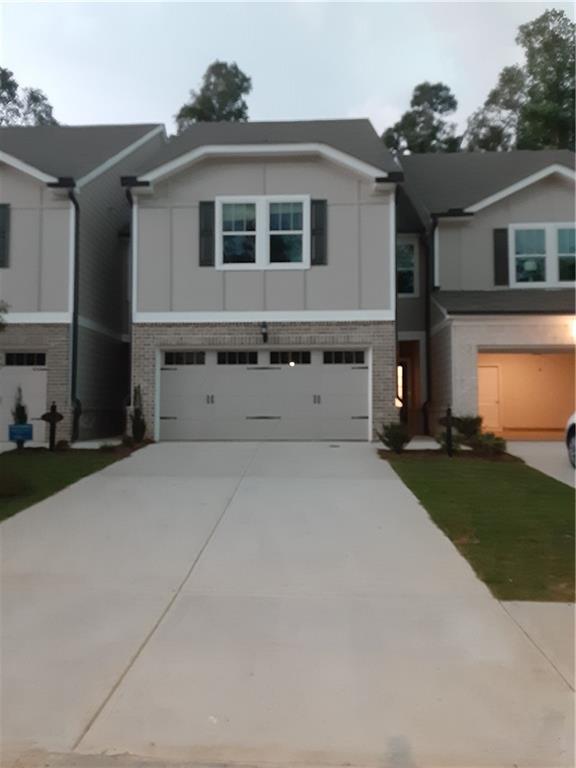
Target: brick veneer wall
[(148, 338), (54, 341)]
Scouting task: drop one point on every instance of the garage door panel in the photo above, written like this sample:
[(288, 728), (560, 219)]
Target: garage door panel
[(224, 400)]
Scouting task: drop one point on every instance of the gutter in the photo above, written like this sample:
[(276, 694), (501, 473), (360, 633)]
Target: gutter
[(67, 182)]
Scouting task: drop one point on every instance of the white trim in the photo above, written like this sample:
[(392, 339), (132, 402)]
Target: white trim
[(420, 337), (436, 247), (568, 173), (38, 318), (25, 168), (99, 170), (410, 240), (92, 325), (299, 316), (263, 150), (262, 233), (551, 255), (134, 264)]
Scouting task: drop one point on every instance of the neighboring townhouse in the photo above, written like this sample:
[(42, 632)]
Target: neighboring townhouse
[(500, 238), (264, 282), (64, 272)]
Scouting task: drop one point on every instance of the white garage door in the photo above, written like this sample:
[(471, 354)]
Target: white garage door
[(26, 370), (264, 395)]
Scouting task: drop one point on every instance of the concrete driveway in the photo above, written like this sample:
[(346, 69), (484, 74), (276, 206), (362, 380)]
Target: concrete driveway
[(548, 457), (261, 604)]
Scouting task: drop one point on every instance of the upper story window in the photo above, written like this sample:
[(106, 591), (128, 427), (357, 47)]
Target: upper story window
[(407, 266), (542, 254), (263, 232)]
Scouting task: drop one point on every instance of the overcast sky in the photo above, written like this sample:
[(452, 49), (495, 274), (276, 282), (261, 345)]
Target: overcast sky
[(137, 61)]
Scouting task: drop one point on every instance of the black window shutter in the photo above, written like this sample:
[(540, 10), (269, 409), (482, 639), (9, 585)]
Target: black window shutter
[(319, 233), (206, 232), (501, 257), (4, 235)]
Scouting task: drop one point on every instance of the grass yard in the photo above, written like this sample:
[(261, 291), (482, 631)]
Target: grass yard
[(42, 473), (514, 525)]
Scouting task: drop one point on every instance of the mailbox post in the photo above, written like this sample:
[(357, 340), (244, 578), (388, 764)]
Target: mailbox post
[(52, 417)]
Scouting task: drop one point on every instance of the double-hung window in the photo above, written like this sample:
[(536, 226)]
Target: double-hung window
[(542, 254), (407, 266), (271, 232)]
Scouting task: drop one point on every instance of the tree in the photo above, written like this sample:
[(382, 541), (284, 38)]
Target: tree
[(22, 106), (547, 117), (423, 127), (221, 97), (494, 126), (532, 106)]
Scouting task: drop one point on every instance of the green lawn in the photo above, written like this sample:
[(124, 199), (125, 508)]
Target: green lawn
[(45, 473), (514, 525)]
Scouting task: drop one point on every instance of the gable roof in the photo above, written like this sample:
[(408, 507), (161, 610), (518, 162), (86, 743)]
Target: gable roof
[(438, 183), (536, 301), (69, 150), (356, 138)]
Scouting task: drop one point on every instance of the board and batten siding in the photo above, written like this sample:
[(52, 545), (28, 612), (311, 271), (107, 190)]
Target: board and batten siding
[(37, 278), (467, 247), (358, 272)]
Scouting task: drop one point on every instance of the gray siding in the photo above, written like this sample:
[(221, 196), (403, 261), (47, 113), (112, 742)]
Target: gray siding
[(357, 275), (37, 278), (466, 248)]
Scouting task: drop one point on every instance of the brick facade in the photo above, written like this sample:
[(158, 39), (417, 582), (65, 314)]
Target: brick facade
[(54, 341), (380, 337)]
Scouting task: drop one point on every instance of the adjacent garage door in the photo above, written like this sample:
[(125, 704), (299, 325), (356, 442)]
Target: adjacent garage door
[(264, 395), (526, 393), (26, 370)]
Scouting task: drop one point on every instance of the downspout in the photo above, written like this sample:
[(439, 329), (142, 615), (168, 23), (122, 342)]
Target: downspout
[(430, 272), (77, 408)]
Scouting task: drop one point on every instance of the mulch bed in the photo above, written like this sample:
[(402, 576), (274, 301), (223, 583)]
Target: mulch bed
[(433, 454)]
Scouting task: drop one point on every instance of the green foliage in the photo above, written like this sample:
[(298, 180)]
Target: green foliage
[(128, 441), (489, 444), (532, 106), (137, 417), (442, 440), (469, 427), (220, 98), (20, 411), (22, 106), (3, 311), (395, 436), (423, 127)]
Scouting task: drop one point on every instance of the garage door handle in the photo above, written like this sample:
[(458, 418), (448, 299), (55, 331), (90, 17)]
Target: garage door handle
[(210, 399), (168, 418), (316, 399), (268, 418), (358, 417)]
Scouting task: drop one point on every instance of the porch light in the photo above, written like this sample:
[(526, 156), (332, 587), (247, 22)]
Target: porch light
[(291, 363), (264, 332)]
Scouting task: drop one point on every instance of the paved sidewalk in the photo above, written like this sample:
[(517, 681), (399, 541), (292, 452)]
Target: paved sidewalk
[(262, 604), (547, 456)]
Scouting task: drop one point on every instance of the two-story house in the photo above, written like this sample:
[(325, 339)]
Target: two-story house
[(264, 289), (64, 272), (495, 307)]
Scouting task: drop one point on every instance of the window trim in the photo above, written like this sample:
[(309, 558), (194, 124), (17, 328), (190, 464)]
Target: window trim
[(263, 232), (551, 255), (410, 240)]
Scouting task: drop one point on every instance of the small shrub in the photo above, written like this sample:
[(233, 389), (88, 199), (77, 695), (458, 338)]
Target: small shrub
[(137, 418), (20, 411), (442, 440), (12, 485), (128, 441), (62, 445), (489, 444), (395, 436), (468, 426)]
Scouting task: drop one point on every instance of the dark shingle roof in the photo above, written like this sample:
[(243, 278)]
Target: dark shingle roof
[(536, 301), (355, 137), (439, 182), (69, 150)]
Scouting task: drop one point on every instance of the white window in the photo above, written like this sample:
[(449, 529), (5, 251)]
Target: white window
[(542, 255), (270, 232), (407, 266)]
